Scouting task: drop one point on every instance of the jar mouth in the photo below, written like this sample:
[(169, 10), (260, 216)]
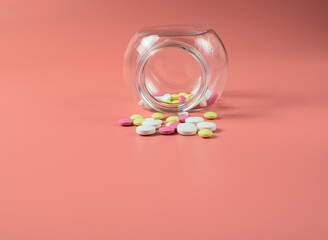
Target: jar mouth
[(144, 84), (175, 30)]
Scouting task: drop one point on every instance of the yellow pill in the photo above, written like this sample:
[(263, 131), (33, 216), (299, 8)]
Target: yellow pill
[(175, 101), (172, 119), (168, 101), (205, 133), (174, 96), (189, 96), (135, 116), (157, 115), (210, 115), (184, 94), (138, 121)]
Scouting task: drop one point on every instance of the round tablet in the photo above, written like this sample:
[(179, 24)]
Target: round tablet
[(125, 122), (183, 114), (157, 115), (194, 120), (166, 130), (210, 115), (187, 129), (205, 133), (135, 116), (159, 94), (154, 123), (173, 125), (172, 119), (212, 98), (145, 130), (166, 97), (182, 99), (138, 121), (203, 102), (206, 125), (183, 118)]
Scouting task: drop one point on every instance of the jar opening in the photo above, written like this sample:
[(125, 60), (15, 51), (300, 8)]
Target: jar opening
[(175, 69)]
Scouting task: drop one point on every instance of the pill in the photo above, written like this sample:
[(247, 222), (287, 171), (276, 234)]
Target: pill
[(166, 97), (175, 101), (205, 133), (208, 94), (210, 115), (173, 125), (125, 122), (172, 119), (190, 96), (135, 116), (183, 94), (206, 125), (166, 130), (203, 102), (159, 94), (155, 123), (194, 120), (182, 99), (174, 96), (141, 103), (138, 121), (149, 119), (212, 98), (187, 129), (183, 114), (183, 118), (157, 115), (145, 130)]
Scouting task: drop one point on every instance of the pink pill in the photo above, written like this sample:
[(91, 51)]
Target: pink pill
[(174, 125), (183, 118), (159, 94), (212, 98), (182, 99), (166, 130), (125, 122)]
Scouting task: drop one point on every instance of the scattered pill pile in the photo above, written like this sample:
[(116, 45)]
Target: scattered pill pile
[(180, 98), (182, 124)]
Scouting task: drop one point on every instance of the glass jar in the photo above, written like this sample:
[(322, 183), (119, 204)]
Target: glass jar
[(176, 68)]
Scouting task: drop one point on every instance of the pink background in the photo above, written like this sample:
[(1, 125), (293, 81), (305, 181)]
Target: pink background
[(68, 171)]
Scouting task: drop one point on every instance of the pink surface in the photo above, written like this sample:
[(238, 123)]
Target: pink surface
[(69, 171)]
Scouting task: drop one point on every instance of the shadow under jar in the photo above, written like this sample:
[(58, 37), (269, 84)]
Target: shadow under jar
[(176, 68)]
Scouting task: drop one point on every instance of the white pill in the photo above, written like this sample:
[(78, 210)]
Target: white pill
[(194, 120), (166, 97), (187, 129), (203, 102), (149, 119), (141, 103), (206, 125), (145, 130), (168, 124), (154, 123), (183, 114), (208, 94)]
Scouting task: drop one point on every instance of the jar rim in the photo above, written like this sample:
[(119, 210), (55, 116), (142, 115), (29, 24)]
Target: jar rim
[(149, 99), (175, 30)]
